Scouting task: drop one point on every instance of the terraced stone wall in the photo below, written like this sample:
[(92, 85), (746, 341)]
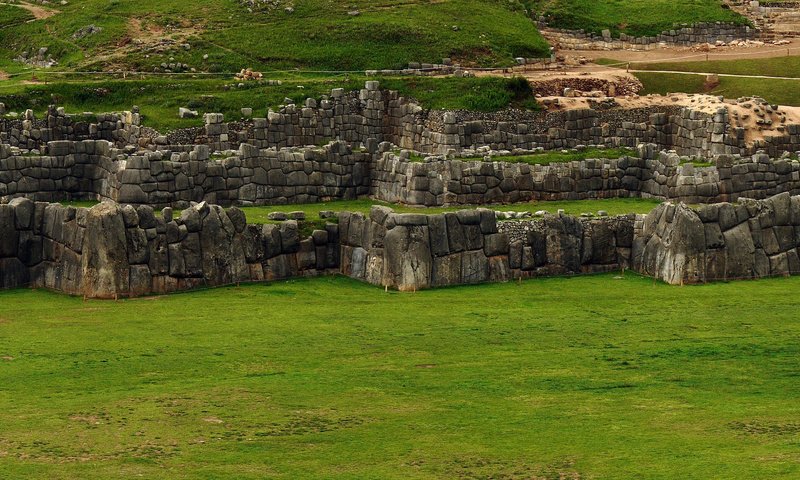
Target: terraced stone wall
[(373, 115), (685, 35), (90, 170), (415, 251), (111, 250), (650, 174), (749, 239)]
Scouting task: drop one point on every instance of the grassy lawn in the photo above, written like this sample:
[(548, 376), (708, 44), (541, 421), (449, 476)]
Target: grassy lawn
[(788, 66), (782, 92), (314, 34), (546, 158), (10, 16), (614, 206), (159, 99), (633, 17), (591, 377)]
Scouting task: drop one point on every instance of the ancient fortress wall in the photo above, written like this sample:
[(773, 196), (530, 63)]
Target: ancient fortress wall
[(111, 250), (650, 174), (375, 115), (92, 169), (749, 239)]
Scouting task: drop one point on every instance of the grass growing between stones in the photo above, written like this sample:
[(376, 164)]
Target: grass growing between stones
[(591, 377), (633, 17), (614, 206), (546, 158)]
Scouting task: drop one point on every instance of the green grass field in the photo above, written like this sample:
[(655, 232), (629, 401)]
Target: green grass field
[(591, 377), (781, 92), (11, 16), (633, 17), (788, 66), (317, 34), (547, 158), (159, 99), (614, 206)]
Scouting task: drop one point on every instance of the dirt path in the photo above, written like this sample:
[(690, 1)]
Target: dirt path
[(3, 75), (683, 54), (38, 12)]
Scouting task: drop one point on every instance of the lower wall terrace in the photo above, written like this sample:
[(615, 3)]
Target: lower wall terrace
[(749, 239), (114, 250)]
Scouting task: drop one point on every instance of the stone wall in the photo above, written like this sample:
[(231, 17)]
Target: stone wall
[(373, 115), (89, 170), (94, 169), (413, 251), (111, 250), (651, 174), (685, 35), (29, 133), (749, 239)]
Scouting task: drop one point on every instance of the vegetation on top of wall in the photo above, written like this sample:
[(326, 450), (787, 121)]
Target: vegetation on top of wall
[(546, 158), (159, 99)]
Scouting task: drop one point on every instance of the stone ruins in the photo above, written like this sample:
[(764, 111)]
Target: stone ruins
[(377, 144)]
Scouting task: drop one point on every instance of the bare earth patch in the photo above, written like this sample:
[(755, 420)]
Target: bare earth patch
[(39, 12)]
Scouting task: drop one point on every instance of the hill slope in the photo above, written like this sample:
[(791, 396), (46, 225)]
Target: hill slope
[(226, 35), (633, 17)]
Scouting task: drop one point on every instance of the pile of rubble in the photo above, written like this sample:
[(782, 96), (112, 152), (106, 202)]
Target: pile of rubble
[(578, 87), (706, 47), (38, 59), (249, 74), (266, 5)]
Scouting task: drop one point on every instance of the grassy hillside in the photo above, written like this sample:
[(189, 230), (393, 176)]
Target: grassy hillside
[(10, 16), (593, 377), (323, 34), (633, 17)]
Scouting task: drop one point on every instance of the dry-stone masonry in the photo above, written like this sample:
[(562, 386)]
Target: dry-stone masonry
[(122, 247), (92, 169), (112, 250), (749, 239), (375, 115)]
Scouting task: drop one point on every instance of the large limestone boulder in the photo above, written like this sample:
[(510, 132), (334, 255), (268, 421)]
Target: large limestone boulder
[(407, 258), (105, 268)]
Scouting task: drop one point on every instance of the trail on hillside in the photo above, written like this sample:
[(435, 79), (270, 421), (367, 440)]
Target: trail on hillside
[(38, 12)]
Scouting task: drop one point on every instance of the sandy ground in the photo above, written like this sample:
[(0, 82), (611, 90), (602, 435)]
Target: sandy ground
[(38, 11)]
